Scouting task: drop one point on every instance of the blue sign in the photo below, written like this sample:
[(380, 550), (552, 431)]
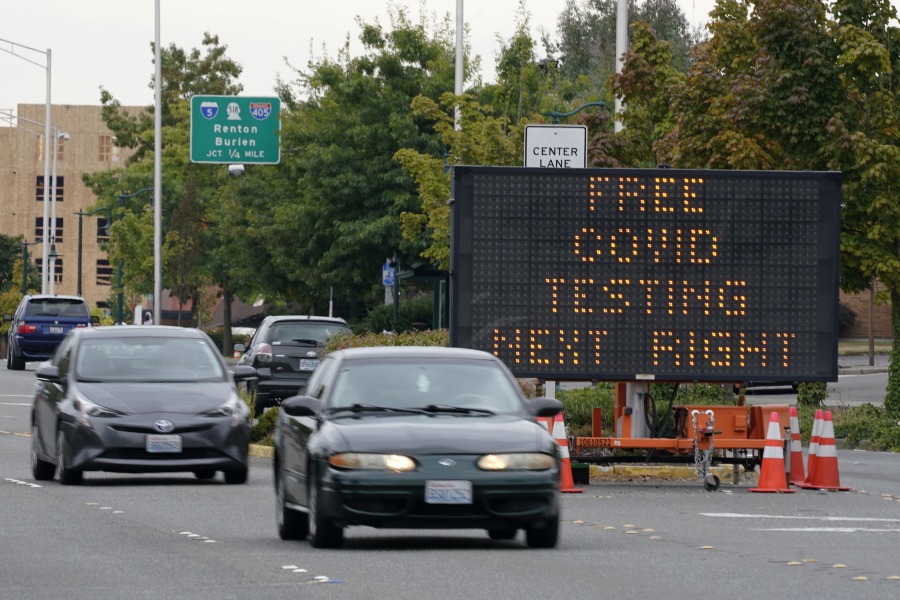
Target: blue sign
[(260, 110), (387, 274), (209, 109)]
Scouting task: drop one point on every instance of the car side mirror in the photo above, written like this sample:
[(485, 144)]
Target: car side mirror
[(7, 317), (240, 348), (48, 373), (243, 373), (95, 320), (301, 406), (545, 407)]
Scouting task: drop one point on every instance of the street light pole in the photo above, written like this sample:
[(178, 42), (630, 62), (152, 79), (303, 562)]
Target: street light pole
[(52, 225), (157, 176), (44, 246)]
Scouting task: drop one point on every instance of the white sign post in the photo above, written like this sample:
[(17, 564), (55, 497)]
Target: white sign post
[(556, 146)]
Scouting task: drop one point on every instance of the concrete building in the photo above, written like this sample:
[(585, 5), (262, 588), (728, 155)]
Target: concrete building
[(89, 149)]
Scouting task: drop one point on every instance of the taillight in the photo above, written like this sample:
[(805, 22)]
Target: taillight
[(25, 328), (264, 353)]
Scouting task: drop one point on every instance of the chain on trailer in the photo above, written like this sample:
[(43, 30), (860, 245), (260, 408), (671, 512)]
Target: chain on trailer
[(703, 458)]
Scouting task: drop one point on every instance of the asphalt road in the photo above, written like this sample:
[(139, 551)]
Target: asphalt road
[(130, 537)]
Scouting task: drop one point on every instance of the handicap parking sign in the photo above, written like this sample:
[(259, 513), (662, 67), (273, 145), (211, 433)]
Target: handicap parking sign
[(387, 274)]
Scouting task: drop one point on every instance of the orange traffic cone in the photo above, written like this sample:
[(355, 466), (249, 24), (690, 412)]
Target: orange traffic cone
[(813, 449), (772, 477), (826, 476), (797, 474), (545, 422), (237, 353), (566, 483)]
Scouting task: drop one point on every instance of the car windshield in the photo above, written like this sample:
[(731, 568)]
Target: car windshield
[(475, 387), (301, 332), (147, 359), (56, 307)]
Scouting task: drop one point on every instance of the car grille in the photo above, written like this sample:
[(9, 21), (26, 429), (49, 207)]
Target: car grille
[(513, 506), (148, 429), (141, 454)]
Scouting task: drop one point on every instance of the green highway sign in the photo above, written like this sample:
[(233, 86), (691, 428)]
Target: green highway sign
[(235, 129)]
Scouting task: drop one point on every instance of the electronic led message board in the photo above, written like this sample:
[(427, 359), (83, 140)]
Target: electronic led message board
[(656, 274)]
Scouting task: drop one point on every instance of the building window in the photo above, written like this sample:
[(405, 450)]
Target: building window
[(61, 149), (105, 148), (39, 188), (58, 274), (104, 272), (39, 229), (101, 230)]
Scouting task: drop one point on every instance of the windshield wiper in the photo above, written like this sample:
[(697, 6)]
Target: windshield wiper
[(446, 408), (358, 408)]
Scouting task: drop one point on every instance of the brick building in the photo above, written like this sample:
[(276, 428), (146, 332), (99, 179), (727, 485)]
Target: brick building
[(89, 149)]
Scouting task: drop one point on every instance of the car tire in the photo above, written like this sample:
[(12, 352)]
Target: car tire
[(40, 469), (502, 534), (205, 473), (322, 532), (67, 476), (545, 537), (292, 525), (16, 361), (238, 476)]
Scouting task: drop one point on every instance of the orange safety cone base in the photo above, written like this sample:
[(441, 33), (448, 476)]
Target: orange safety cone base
[(831, 488), (774, 490)]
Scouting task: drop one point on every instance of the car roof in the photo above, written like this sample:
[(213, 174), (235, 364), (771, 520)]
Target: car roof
[(53, 297), (412, 352), (116, 331), (280, 318)]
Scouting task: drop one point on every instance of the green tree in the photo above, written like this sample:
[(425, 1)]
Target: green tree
[(329, 215), (10, 261), (190, 197)]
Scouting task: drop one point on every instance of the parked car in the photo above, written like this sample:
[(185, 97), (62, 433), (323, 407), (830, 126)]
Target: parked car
[(415, 437), (39, 325), (138, 399), (285, 350)]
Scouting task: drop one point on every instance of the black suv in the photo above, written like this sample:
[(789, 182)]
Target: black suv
[(284, 351), (40, 324)]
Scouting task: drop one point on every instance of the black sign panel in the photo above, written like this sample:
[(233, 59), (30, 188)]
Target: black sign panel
[(661, 274)]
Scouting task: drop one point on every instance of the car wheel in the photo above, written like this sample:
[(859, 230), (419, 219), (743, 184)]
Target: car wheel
[(502, 534), (545, 537), (40, 469), (205, 473), (239, 476), (292, 525), (322, 532), (16, 361), (67, 476)]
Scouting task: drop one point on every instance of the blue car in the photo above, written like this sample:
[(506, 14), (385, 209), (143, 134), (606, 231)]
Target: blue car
[(39, 326)]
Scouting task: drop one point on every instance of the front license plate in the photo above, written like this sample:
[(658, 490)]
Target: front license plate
[(308, 364), (163, 443), (58, 330), (448, 492)]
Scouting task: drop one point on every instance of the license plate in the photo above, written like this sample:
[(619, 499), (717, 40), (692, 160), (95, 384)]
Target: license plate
[(448, 492), (163, 443), (56, 329), (307, 364)]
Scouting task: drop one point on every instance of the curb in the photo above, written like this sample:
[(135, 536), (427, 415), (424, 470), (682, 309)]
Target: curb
[(861, 370), (261, 451), (617, 472)]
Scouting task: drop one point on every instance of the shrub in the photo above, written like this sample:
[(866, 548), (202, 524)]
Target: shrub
[(812, 393), (846, 315), (578, 408), (440, 337), (261, 432), (418, 310)]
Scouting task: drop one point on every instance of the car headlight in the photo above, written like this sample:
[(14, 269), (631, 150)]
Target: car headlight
[(531, 461), (234, 408), (89, 409), (372, 462)]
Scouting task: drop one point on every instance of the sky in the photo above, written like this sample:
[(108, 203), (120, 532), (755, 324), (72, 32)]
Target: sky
[(106, 43)]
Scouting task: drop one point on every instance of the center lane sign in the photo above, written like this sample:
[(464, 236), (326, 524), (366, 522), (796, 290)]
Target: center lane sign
[(235, 129), (556, 146)]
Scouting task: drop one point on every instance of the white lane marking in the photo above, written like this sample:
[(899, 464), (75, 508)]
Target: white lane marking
[(823, 518), (831, 529), (15, 403)]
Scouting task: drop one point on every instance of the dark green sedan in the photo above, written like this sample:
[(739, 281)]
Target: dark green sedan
[(415, 437)]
